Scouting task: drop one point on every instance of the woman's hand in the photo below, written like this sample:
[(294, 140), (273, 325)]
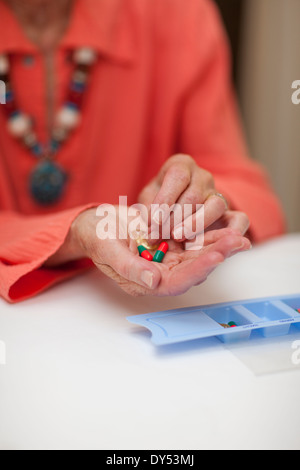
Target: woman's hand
[(119, 258), (182, 182), (179, 182)]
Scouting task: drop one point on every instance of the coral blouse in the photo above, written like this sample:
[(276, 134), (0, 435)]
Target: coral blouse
[(162, 86)]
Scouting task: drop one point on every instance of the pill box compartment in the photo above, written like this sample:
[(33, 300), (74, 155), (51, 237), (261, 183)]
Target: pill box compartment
[(174, 326), (277, 316), (238, 315), (294, 304)]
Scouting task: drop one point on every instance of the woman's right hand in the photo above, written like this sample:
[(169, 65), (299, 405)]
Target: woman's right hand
[(119, 259)]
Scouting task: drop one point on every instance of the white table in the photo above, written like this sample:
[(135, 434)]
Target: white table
[(79, 376)]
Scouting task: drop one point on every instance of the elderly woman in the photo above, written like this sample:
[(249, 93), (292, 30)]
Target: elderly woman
[(120, 97)]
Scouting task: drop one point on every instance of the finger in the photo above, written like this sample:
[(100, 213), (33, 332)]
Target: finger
[(195, 271), (232, 219), (199, 190), (230, 245), (129, 287), (212, 210), (176, 180), (208, 238), (189, 273), (212, 236), (148, 193), (130, 266), (238, 221)]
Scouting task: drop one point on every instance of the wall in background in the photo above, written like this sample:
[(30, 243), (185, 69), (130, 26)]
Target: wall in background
[(269, 63), (265, 37), (232, 13)]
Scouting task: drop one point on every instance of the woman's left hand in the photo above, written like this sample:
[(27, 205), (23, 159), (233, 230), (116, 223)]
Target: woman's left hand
[(182, 182)]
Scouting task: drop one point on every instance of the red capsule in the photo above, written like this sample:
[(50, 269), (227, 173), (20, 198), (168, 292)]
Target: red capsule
[(164, 247), (147, 256)]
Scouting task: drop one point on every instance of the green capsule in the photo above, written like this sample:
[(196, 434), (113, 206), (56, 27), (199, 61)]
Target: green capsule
[(141, 249), (161, 252), (144, 253), (159, 256)]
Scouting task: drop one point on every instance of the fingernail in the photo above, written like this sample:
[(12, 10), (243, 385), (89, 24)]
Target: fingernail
[(147, 278), (239, 248)]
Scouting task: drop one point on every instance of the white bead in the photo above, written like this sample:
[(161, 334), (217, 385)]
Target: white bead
[(4, 64), (68, 118), (85, 56), (19, 125)]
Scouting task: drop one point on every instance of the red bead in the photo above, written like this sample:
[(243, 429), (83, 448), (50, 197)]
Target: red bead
[(164, 247), (10, 107), (75, 97), (147, 256)]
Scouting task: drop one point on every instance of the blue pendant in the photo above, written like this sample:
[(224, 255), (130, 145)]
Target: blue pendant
[(47, 183)]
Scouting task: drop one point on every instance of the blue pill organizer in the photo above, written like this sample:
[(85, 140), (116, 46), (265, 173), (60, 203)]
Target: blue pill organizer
[(272, 316)]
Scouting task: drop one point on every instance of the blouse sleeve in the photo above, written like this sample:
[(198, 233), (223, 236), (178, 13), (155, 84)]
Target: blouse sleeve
[(26, 242), (211, 130)]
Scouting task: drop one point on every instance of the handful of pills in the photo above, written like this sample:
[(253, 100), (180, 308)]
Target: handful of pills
[(159, 255)]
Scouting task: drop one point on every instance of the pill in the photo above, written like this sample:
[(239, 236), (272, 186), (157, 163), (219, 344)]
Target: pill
[(224, 325), (298, 310), (232, 324), (145, 244), (145, 253), (160, 254), (164, 247)]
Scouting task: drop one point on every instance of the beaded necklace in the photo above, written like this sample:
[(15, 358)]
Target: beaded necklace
[(48, 179)]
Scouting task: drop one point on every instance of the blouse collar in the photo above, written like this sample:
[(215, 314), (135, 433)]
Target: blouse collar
[(107, 26)]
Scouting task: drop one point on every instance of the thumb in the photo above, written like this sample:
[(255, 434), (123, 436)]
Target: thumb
[(130, 266)]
